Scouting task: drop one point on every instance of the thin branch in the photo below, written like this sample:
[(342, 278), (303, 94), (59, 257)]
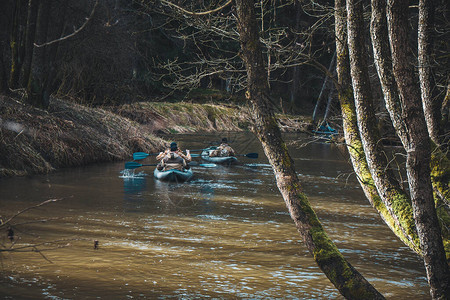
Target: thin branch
[(197, 13), (29, 208), (73, 33)]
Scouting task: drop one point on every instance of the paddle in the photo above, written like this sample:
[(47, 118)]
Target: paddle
[(134, 165), (142, 155), (194, 163), (249, 155)]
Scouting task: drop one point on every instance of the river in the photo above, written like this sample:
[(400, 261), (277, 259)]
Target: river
[(225, 234)]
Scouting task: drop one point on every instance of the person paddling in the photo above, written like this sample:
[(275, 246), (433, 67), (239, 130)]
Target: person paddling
[(173, 158), (223, 150)]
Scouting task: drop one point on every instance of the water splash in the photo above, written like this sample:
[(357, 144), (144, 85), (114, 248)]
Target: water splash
[(129, 173)]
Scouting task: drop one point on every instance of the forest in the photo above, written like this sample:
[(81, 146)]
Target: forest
[(378, 71)]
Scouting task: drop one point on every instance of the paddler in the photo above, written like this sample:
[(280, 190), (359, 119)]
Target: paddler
[(223, 150), (173, 158)]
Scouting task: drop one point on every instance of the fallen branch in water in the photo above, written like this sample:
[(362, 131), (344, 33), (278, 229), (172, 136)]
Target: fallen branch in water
[(4, 223)]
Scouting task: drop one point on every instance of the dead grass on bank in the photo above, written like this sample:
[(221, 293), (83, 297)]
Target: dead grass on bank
[(187, 117), (67, 135)]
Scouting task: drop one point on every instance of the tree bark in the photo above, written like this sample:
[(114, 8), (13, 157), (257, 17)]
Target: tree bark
[(418, 152), (394, 198), (29, 39), (383, 63), (346, 279), (382, 55), (430, 102), (350, 125), (3, 73), (325, 85), (15, 43), (37, 82)]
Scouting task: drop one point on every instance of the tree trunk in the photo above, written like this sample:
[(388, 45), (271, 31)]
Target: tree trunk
[(54, 49), (382, 54), (430, 101), (350, 126), (394, 198), (329, 102), (347, 280), (37, 93), (15, 42), (445, 108), (383, 63), (418, 152), (29, 39), (325, 85), (3, 73)]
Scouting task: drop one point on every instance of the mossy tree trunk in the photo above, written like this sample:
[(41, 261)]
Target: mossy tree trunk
[(351, 130), (346, 279), (393, 196), (418, 151), (439, 164)]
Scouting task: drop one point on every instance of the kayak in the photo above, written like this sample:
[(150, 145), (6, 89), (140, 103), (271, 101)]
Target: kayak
[(217, 159), (173, 175)]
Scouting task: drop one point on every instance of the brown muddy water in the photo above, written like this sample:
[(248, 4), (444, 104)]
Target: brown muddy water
[(224, 235)]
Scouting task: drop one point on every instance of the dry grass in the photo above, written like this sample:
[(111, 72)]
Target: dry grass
[(37, 141), (193, 117)]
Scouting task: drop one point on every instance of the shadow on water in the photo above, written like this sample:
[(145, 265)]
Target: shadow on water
[(224, 234)]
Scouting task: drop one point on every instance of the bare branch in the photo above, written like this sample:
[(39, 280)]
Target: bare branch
[(29, 208), (197, 13), (73, 33)]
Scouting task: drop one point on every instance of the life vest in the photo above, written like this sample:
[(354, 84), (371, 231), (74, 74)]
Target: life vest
[(173, 161)]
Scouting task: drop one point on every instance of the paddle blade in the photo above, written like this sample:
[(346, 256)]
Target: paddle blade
[(132, 165), (208, 165), (195, 155), (251, 155), (140, 155)]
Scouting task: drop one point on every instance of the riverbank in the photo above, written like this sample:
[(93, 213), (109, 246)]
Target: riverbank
[(34, 141)]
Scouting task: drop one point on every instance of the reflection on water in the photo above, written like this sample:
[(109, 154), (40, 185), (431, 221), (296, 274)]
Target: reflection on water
[(225, 234)]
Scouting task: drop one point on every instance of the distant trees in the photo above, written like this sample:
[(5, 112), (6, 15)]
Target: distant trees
[(85, 50), (33, 63)]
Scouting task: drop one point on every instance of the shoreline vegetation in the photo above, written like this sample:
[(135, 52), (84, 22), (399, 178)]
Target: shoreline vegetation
[(36, 141)]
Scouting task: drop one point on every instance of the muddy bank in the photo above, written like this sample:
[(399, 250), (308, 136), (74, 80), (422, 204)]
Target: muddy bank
[(68, 135)]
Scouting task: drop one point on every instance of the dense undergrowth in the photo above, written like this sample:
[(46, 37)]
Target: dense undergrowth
[(68, 134)]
